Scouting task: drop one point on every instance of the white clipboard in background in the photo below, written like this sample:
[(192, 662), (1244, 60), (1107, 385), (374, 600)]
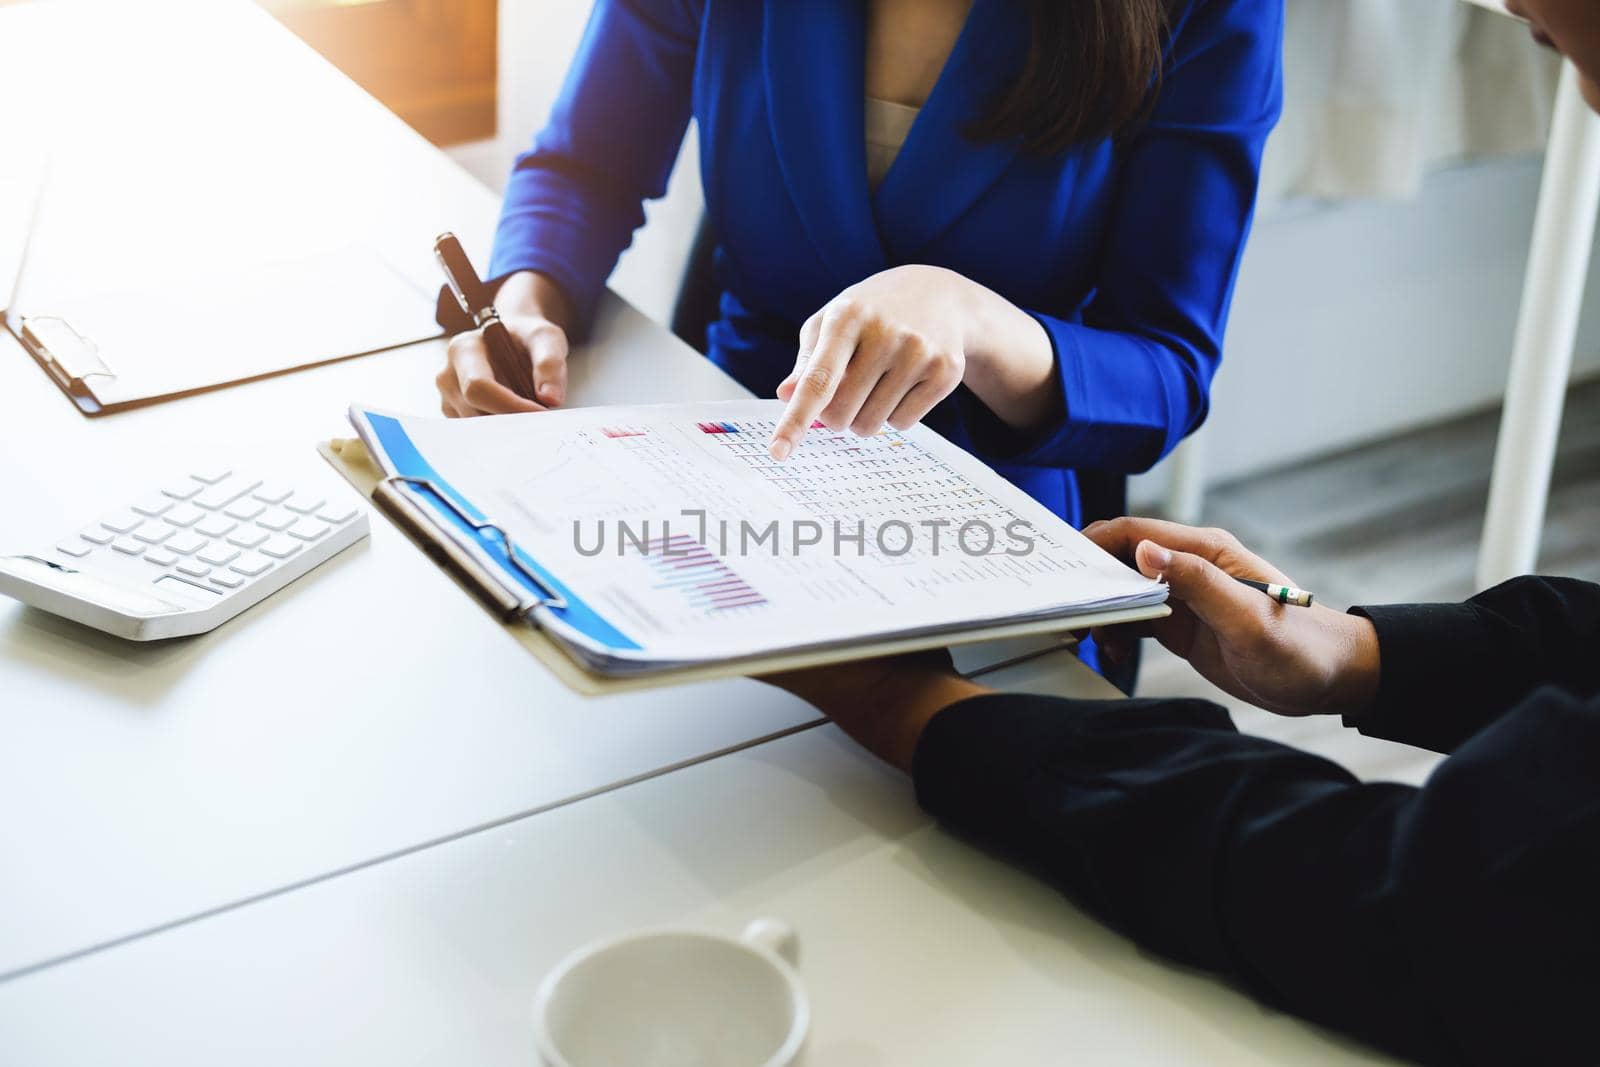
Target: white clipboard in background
[(119, 350), (253, 231)]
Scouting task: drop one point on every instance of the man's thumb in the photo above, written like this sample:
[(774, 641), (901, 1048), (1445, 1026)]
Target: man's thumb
[(1197, 582)]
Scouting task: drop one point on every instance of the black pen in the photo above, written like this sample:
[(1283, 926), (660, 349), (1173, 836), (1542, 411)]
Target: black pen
[(510, 364), (1283, 594)]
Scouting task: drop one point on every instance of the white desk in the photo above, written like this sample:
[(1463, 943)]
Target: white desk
[(363, 711), (367, 710), (917, 949)]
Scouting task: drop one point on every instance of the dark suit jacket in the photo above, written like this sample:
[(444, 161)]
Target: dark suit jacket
[(1455, 923)]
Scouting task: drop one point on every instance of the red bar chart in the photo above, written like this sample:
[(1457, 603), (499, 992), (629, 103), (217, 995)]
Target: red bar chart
[(704, 580)]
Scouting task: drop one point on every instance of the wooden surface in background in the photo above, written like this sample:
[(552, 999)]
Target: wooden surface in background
[(430, 61)]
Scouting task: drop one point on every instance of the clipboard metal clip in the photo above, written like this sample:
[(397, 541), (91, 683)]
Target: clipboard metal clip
[(490, 590), (70, 355)]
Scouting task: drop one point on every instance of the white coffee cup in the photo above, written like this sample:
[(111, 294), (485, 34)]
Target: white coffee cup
[(676, 998)]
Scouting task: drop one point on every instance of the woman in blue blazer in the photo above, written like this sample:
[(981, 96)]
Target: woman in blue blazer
[(1043, 272)]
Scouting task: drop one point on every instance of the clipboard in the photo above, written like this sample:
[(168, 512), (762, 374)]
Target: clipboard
[(425, 527), (227, 242), (115, 351)]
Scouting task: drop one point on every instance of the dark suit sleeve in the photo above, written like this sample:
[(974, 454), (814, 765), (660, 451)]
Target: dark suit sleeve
[(1456, 923), (1448, 670)]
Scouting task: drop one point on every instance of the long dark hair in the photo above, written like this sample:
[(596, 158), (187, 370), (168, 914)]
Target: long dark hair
[(1092, 69)]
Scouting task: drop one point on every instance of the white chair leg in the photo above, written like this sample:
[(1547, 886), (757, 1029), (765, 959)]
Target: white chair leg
[(1547, 325), (1186, 491)]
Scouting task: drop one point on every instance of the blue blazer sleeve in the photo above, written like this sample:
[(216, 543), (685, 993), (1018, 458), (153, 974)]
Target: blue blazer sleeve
[(576, 197), (1135, 372)]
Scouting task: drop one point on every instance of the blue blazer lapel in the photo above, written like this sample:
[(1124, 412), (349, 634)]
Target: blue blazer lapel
[(939, 171), (814, 54)]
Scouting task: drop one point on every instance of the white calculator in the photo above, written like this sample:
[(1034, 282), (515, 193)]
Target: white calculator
[(187, 557)]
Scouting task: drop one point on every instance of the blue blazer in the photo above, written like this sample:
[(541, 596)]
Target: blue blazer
[(1124, 250)]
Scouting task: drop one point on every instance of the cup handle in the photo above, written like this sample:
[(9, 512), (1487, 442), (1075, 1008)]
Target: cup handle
[(775, 936)]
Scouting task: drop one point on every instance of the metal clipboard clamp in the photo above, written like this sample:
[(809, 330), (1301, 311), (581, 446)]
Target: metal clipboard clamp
[(67, 354), (509, 604)]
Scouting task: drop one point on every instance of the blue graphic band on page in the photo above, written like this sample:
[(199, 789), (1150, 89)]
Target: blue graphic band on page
[(406, 460)]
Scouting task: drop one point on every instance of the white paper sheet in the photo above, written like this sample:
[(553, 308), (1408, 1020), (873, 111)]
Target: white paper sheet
[(674, 524)]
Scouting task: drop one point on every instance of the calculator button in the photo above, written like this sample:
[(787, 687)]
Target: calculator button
[(273, 493), (174, 583), (276, 519), (182, 490), (193, 569), (245, 510), (217, 555), (337, 513), (98, 536), (122, 522), (305, 503), (224, 493), (153, 506), (211, 475), (307, 529), (227, 581), (185, 543), (249, 537), (214, 526), (75, 548), (128, 546), (251, 565), (161, 557), (183, 515), (280, 547), (153, 533)]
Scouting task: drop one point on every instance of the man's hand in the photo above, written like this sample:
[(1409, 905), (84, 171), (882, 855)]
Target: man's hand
[(1291, 660), (532, 309), (884, 704)]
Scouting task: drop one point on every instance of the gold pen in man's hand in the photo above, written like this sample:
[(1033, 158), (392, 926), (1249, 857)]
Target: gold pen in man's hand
[(511, 365)]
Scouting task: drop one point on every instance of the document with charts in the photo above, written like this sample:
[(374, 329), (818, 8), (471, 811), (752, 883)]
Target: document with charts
[(647, 538)]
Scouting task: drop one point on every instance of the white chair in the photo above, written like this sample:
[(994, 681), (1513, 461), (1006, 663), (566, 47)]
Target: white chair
[(1547, 327), (1541, 359)]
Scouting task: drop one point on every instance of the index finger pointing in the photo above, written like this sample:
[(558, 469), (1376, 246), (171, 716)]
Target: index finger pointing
[(835, 343)]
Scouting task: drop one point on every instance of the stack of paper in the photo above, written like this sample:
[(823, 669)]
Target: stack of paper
[(656, 537)]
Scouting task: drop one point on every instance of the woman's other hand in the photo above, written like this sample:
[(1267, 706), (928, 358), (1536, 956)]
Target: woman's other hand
[(1290, 660), (532, 309)]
